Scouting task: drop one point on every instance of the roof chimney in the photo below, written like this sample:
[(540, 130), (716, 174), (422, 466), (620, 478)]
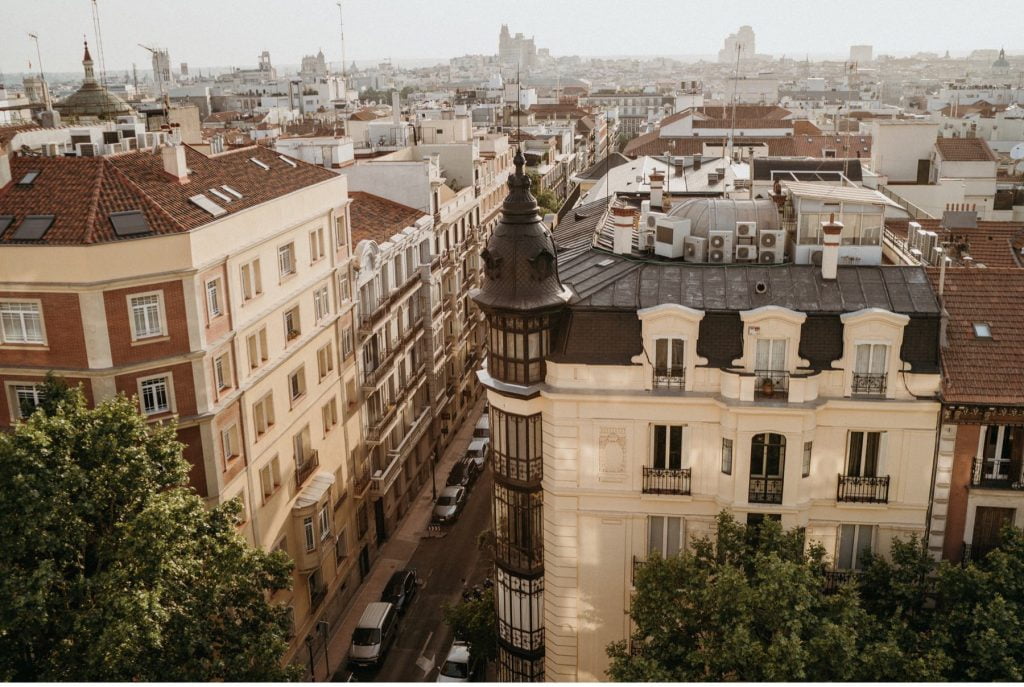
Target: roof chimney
[(174, 162), (657, 191), (831, 231), (623, 228), (396, 108), (5, 168)]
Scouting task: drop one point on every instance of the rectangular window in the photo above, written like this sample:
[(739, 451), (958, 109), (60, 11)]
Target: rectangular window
[(667, 447), (668, 362), (341, 546), (664, 535), (213, 306), (325, 360), (286, 260), (316, 244), (321, 303), (325, 521), (291, 324), (869, 368), (344, 288), (229, 443), (307, 528), (222, 371), (146, 316), (854, 542), (862, 457), (346, 342), (263, 414), (808, 446), (727, 456), (26, 399), (297, 383), (155, 396), (256, 345), (329, 414), (339, 228), (771, 355), (21, 323), (252, 280), (270, 478)]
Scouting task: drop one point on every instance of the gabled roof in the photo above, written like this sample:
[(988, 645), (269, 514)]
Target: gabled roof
[(378, 219), (964, 150), (599, 168), (983, 370), (82, 192)]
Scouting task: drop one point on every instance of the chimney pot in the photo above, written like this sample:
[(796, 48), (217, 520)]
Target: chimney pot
[(623, 219), (831, 231), (174, 162)]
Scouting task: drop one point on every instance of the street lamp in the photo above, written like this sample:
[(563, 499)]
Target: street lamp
[(309, 647)]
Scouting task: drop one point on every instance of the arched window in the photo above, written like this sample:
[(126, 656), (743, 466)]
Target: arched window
[(767, 462)]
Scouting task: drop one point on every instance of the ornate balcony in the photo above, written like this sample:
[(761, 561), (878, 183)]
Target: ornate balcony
[(834, 579), (765, 490), (666, 481), (852, 489), (771, 383), (669, 379), (868, 383), (990, 475)]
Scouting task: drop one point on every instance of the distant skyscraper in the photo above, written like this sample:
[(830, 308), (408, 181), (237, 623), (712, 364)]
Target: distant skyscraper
[(744, 38), (516, 51), (162, 67)]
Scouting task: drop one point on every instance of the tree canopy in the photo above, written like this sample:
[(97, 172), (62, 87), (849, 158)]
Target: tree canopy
[(111, 568), (753, 606)]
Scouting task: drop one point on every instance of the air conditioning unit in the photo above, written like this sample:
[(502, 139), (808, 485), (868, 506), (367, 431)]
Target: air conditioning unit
[(669, 236), (913, 233), (649, 220), (772, 239), (645, 207), (746, 230), (769, 256), (695, 248), (746, 252), (51, 150), (647, 241), (720, 246)]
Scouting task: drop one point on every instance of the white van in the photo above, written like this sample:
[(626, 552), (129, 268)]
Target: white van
[(482, 430), (478, 451), (373, 635)]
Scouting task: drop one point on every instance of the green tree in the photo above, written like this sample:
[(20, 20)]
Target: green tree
[(111, 568), (475, 620), (546, 199)]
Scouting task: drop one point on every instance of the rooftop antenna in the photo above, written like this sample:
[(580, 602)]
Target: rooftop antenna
[(341, 27), (735, 86), (99, 42), (39, 59)]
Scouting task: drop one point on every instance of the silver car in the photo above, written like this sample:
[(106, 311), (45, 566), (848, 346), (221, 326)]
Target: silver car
[(449, 504)]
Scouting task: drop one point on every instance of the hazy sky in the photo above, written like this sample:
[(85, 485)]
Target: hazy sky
[(233, 32)]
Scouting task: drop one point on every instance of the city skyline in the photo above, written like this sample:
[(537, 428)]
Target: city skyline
[(233, 35)]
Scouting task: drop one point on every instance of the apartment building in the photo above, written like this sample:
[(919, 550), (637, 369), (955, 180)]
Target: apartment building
[(636, 393), (216, 291)]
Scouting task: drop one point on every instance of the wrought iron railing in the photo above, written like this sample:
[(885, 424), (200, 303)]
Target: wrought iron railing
[(670, 379), (868, 383), (834, 579), (765, 490), (983, 476), (666, 481), (771, 382), (528, 557), (527, 640), (306, 468), (853, 489)]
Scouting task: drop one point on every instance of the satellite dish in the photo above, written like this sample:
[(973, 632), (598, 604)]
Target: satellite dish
[(1017, 151)]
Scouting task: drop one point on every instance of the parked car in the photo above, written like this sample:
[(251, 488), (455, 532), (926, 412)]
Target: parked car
[(459, 666), (477, 452), (401, 589), (482, 429), (449, 504), (373, 636), (463, 473)]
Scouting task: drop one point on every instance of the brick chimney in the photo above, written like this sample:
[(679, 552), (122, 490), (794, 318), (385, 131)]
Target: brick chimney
[(831, 231), (657, 189), (174, 162), (5, 168), (622, 219)]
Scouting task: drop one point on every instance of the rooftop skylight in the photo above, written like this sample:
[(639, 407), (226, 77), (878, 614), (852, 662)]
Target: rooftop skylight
[(29, 178), (232, 191), (259, 163), (5, 221), (284, 159), (129, 223), (220, 194), (201, 201), (982, 330), (33, 228)]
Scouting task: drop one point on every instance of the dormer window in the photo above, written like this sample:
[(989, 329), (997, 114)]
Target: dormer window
[(770, 366), (669, 368), (869, 375)]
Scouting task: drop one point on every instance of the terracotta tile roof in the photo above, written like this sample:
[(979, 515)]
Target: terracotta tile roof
[(805, 127), (845, 145), (725, 112), (965, 150), (977, 370), (742, 123), (992, 244), (224, 117), (369, 114), (82, 192), (378, 219)]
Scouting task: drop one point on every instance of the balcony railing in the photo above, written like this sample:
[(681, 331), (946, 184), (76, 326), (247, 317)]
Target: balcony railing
[(771, 383), (306, 468), (834, 579), (868, 383), (382, 480), (851, 489), (361, 483), (674, 379), (666, 481), (375, 430), (992, 477), (316, 596), (765, 490), (526, 557), (527, 640)]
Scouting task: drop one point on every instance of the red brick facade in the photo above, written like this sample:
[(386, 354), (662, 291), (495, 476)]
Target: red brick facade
[(964, 450), (175, 341), (65, 338)]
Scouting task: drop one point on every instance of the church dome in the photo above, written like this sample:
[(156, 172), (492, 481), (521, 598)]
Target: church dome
[(1001, 62), (92, 99)]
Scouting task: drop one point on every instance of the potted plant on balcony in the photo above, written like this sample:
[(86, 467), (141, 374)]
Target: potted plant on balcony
[(767, 387)]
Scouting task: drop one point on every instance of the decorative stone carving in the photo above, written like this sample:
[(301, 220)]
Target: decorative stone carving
[(611, 451)]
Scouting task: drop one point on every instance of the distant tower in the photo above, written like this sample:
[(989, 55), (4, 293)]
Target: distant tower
[(1001, 67), (522, 298)]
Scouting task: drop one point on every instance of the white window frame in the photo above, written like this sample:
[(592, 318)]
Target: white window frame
[(161, 315), (24, 340), (997, 460), (168, 391), (222, 371), (325, 360), (727, 451), (270, 478), (773, 344), (667, 430), (13, 388), (321, 303), (296, 322), (879, 457), (310, 533), (263, 414), (344, 287), (213, 304), (871, 357), (251, 278), (329, 414), (807, 457), (347, 343), (228, 441), (666, 546), (286, 260), (671, 365), (317, 248), (298, 373), (856, 553), (325, 521)]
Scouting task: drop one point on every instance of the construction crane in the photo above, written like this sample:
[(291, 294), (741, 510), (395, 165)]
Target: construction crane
[(158, 76), (99, 42)]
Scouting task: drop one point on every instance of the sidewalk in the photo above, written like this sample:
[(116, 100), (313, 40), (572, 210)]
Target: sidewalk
[(396, 552)]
